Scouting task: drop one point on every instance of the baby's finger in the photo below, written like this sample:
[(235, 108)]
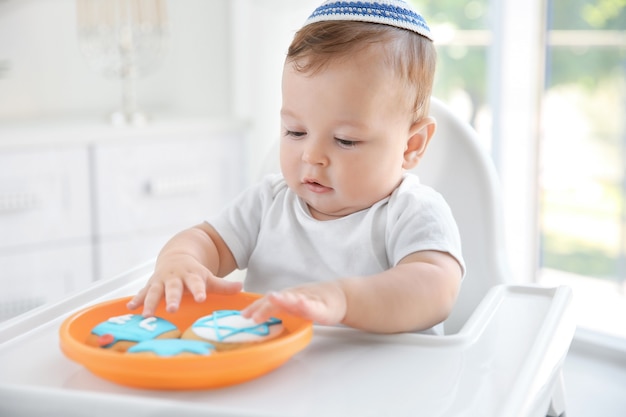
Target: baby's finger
[(138, 299), (285, 299), (196, 286), (301, 305), (252, 309), (248, 311), (173, 294), (293, 303), (154, 293), (261, 310)]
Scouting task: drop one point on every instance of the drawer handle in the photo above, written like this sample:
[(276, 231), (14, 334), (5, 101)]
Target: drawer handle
[(19, 201), (173, 186)]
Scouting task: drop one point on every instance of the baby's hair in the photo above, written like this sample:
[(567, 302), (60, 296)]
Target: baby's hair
[(411, 56)]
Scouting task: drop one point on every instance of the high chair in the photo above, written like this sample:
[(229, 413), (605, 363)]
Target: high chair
[(459, 168)]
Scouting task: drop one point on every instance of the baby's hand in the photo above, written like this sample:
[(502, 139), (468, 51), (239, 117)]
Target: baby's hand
[(172, 276), (323, 303)]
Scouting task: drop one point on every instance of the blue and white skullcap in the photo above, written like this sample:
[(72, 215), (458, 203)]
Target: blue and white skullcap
[(387, 12)]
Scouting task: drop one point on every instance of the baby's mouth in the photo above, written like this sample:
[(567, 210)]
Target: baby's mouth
[(315, 186)]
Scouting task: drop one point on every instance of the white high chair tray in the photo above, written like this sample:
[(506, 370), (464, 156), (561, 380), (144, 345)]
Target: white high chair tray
[(504, 362)]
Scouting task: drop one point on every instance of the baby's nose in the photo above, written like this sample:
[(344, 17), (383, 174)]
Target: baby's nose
[(315, 154)]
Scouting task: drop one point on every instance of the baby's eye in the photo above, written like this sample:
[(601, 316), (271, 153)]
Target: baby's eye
[(344, 143), (294, 133)]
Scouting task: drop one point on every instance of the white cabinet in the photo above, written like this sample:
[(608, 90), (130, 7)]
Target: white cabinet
[(31, 278), (78, 204), (44, 196), (162, 184), (150, 190), (45, 226)]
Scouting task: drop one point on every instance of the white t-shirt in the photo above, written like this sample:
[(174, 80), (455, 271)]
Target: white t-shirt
[(270, 231)]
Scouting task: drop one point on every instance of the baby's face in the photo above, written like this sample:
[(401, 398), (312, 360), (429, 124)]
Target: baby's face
[(344, 133)]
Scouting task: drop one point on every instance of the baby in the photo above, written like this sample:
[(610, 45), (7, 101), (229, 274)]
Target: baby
[(345, 235)]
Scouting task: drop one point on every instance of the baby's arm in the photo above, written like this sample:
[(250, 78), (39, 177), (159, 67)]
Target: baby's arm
[(415, 295), (192, 260)]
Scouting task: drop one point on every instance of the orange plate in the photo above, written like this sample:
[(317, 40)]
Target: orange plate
[(188, 372)]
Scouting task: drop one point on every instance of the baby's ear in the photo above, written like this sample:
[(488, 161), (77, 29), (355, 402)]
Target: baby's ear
[(420, 134)]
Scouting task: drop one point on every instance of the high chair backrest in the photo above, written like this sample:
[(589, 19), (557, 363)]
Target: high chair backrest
[(457, 166)]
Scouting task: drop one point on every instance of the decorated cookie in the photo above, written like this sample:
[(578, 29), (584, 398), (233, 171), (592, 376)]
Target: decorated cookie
[(121, 332), (228, 329), (172, 347)]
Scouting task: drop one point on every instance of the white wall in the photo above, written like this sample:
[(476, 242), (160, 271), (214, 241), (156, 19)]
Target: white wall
[(47, 75), (262, 31)]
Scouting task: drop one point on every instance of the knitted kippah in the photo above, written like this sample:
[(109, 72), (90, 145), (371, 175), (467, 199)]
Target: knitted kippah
[(387, 12)]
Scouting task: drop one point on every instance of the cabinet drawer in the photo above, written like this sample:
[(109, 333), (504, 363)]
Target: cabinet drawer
[(118, 255), (44, 196), (34, 277), (164, 185)]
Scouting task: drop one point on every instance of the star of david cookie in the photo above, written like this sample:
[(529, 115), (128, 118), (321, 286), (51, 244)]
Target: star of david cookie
[(228, 329)]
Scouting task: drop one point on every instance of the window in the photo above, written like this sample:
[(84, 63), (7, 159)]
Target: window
[(571, 179), (462, 34), (583, 159)]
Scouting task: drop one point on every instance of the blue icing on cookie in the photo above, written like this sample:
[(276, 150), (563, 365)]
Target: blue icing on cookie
[(225, 331), (172, 347), (133, 328)]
